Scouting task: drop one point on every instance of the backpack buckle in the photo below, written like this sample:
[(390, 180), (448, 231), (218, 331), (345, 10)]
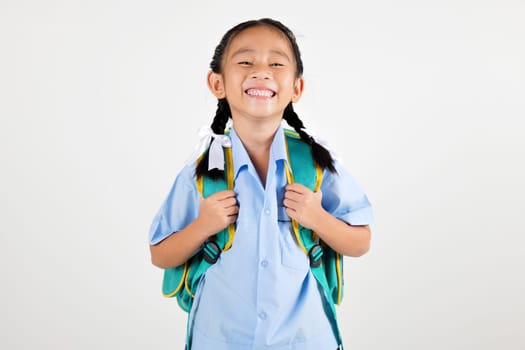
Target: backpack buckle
[(315, 254), (211, 252)]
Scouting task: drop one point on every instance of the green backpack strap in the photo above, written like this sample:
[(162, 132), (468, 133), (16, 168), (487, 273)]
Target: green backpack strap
[(182, 281), (326, 264)]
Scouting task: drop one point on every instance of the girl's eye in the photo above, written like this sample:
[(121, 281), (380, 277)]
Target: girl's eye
[(245, 63), (276, 65)]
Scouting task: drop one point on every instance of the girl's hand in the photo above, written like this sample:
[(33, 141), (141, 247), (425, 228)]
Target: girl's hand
[(303, 205), (218, 211)]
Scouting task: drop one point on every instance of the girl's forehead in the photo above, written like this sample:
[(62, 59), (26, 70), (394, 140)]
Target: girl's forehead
[(259, 37)]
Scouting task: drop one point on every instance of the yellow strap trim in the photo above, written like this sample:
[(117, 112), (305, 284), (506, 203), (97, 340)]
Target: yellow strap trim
[(181, 283), (292, 133), (229, 168), (229, 180), (186, 284), (339, 278), (199, 179), (199, 184), (319, 177), (319, 180)]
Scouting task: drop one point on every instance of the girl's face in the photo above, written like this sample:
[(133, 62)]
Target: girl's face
[(258, 75)]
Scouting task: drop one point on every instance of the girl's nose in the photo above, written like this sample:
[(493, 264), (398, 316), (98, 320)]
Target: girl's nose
[(260, 74)]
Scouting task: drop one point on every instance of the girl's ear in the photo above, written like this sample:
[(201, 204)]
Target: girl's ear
[(298, 89), (216, 84)]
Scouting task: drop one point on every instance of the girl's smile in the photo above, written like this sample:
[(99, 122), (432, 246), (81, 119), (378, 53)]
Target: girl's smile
[(260, 93)]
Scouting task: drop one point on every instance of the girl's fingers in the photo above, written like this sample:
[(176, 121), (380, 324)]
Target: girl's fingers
[(222, 195), (232, 219), (296, 187), (293, 196), (290, 212), (289, 204), (228, 202), (232, 211), (223, 199)]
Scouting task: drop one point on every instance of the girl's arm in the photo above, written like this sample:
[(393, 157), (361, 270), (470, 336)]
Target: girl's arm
[(216, 212), (305, 207)]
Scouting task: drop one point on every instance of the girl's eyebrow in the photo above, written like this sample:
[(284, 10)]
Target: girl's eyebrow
[(242, 51)]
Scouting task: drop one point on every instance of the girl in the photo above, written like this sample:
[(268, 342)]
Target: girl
[(261, 293)]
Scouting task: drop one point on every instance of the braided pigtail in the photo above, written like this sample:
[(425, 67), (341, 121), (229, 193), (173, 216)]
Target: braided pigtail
[(218, 125), (321, 155)]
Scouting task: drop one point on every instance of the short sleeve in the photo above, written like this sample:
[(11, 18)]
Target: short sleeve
[(344, 198), (179, 209)]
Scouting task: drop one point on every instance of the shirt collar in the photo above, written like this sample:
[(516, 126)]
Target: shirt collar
[(240, 156)]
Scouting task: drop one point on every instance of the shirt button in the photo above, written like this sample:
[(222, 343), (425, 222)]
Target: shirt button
[(264, 263), (267, 211), (263, 315)]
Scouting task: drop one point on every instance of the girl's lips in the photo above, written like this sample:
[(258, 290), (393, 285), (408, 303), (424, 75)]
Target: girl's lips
[(260, 92)]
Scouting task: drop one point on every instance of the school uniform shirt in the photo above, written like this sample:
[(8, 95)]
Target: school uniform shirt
[(260, 294)]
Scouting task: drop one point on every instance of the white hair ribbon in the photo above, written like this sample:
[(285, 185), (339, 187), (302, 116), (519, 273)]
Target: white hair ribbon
[(216, 154)]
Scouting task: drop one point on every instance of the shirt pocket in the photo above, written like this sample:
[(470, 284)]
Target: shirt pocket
[(292, 256)]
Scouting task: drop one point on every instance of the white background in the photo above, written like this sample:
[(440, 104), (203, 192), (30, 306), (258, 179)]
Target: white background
[(423, 101)]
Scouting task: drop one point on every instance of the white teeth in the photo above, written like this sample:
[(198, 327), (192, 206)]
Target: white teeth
[(255, 92)]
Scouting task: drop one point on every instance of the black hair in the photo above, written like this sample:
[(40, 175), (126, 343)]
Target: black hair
[(320, 154)]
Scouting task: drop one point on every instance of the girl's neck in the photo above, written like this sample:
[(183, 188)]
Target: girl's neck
[(257, 139)]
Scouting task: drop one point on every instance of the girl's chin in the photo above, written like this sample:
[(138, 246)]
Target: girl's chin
[(258, 116)]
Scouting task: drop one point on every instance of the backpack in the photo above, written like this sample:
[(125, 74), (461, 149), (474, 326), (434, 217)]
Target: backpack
[(326, 264)]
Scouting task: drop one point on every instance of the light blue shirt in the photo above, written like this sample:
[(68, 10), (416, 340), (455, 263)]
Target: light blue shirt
[(260, 294)]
